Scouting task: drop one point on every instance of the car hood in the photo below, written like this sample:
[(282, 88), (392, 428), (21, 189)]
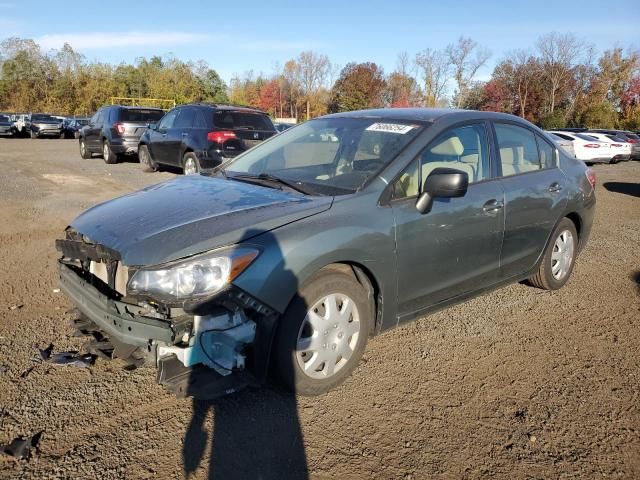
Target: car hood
[(190, 215)]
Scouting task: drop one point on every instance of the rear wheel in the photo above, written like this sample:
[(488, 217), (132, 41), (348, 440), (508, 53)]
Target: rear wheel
[(147, 163), (190, 164), (107, 154), (84, 151), (323, 333), (559, 258)]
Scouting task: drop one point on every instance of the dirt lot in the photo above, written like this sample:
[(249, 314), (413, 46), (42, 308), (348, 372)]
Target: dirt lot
[(519, 383)]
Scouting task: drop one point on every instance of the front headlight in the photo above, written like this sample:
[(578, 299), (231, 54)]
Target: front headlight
[(193, 278)]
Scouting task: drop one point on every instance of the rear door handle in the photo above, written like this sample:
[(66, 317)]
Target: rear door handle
[(185, 134), (492, 206), (555, 187)]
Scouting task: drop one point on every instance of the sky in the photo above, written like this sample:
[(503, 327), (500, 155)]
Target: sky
[(234, 37)]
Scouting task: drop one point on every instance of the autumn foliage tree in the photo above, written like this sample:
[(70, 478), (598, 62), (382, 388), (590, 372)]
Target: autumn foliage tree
[(360, 85)]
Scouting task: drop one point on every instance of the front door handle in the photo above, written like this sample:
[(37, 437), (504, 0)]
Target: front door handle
[(555, 187), (185, 134), (492, 206)]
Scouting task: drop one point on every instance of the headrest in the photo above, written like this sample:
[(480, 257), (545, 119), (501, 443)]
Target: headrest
[(450, 146)]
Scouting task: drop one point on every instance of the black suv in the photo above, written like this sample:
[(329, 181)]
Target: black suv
[(115, 130), (202, 136)]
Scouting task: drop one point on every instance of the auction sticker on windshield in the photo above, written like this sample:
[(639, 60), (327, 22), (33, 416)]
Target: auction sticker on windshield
[(390, 128)]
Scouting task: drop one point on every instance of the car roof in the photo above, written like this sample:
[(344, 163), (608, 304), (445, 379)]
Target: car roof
[(224, 106), (425, 114), (136, 108)]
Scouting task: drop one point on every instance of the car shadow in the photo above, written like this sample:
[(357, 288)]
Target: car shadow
[(256, 432), (627, 188), (636, 278)]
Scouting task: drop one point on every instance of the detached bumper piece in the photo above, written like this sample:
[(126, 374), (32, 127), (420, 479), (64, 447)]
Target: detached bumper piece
[(199, 381)]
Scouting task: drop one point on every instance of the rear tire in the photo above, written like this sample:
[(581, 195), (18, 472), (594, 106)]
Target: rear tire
[(84, 151), (190, 164), (147, 163), (559, 258), (313, 336), (107, 154)]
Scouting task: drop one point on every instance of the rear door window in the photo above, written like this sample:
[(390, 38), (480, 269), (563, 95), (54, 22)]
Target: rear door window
[(140, 115), (232, 120), (547, 153), (199, 120), (517, 148), (185, 118)]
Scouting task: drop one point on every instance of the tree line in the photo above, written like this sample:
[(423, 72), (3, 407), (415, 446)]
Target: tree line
[(560, 81)]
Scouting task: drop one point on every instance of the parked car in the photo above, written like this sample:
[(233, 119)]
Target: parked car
[(201, 136), (72, 127), (22, 124), (6, 126), (281, 127), (293, 254), (629, 137), (115, 131), (45, 125), (618, 144), (586, 148), (567, 145)]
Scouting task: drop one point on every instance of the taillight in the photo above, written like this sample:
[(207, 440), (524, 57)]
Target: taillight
[(617, 145), (592, 145), (119, 128), (591, 176), (632, 140), (220, 136)]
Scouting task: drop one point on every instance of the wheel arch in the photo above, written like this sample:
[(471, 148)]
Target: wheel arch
[(364, 277), (577, 221)]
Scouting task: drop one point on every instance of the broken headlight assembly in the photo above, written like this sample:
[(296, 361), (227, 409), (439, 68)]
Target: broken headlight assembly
[(194, 278)]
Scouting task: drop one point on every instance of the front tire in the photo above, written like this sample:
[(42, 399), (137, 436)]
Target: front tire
[(323, 333), (559, 257), (190, 164), (84, 151), (107, 154), (147, 163)]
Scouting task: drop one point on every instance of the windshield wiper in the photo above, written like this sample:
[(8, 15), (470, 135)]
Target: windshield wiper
[(267, 177)]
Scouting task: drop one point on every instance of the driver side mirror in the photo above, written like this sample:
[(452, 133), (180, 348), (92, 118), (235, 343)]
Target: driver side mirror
[(442, 183), (152, 126)]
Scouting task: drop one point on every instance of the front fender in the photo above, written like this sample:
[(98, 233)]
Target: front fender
[(293, 253)]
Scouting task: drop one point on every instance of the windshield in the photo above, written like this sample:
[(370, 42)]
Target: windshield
[(139, 115), (334, 153), (40, 116)]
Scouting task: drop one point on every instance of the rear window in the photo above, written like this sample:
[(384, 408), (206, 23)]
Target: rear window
[(242, 120), (632, 135), (586, 137), (139, 115)]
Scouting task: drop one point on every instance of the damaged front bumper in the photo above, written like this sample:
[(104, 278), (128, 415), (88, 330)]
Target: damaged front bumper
[(204, 355)]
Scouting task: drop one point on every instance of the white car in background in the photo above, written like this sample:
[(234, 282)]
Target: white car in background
[(566, 145), (587, 148), (621, 149)]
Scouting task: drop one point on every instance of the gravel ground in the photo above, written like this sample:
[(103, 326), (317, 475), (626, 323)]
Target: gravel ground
[(518, 383)]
